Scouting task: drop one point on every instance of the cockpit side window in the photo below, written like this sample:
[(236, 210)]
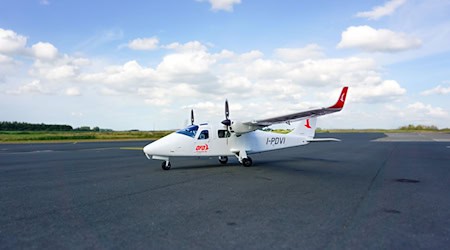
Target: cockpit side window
[(203, 135), (221, 133), (189, 131)]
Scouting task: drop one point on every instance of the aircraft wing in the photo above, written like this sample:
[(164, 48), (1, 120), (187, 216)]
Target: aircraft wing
[(301, 115)]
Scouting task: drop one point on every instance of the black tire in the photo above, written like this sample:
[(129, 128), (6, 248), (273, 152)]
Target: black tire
[(223, 160), (164, 167), (247, 162)]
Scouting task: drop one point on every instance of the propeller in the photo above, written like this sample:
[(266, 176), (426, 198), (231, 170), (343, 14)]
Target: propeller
[(226, 122), (192, 117)]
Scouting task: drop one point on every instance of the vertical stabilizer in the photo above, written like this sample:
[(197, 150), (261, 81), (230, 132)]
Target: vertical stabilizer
[(306, 127)]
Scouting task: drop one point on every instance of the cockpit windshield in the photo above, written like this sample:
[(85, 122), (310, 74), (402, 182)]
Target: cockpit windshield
[(189, 131)]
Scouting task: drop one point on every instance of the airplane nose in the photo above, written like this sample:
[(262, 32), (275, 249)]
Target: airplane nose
[(150, 148)]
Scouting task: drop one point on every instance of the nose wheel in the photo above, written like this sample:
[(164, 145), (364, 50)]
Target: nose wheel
[(166, 165)]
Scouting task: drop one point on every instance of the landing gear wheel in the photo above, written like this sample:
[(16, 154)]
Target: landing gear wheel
[(223, 159), (165, 166), (247, 162)]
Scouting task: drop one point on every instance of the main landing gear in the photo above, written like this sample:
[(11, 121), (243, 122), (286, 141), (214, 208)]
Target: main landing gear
[(247, 162), (223, 160)]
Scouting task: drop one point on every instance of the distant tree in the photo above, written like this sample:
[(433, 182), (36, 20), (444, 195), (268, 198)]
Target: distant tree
[(83, 128), (420, 127)]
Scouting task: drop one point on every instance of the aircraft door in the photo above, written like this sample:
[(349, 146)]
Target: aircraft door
[(202, 142)]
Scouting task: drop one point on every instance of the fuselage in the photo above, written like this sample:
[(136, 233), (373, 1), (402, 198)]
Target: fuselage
[(211, 140)]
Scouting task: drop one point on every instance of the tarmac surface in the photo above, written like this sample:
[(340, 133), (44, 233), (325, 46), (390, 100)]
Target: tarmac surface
[(356, 194)]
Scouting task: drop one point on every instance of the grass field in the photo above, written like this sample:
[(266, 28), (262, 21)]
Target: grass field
[(50, 136)]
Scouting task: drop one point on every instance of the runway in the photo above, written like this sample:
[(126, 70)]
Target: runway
[(356, 194)]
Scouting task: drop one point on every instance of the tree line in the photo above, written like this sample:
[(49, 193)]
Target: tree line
[(24, 126)]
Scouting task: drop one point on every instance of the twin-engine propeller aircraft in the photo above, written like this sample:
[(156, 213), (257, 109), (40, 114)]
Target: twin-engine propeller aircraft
[(240, 139)]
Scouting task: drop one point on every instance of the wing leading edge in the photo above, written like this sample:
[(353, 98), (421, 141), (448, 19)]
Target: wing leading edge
[(301, 115)]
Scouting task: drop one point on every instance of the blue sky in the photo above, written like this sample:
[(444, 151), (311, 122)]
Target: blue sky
[(145, 64)]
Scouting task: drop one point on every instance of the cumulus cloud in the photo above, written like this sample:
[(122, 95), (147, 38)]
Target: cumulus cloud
[(438, 90), (380, 11), (129, 73), (226, 5), (34, 87), (311, 51), (73, 91), (11, 42), (144, 43), (187, 47), (54, 70), (44, 51), (377, 40), (427, 109), (386, 90), (6, 59)]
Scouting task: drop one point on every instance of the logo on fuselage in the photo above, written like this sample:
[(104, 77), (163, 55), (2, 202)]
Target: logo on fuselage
[(202, 148)]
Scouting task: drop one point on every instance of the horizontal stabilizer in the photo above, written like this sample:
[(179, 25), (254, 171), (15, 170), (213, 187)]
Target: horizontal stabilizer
[(322, 139)]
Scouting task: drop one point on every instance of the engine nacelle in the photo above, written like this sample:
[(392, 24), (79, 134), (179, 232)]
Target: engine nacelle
[(241, 128)]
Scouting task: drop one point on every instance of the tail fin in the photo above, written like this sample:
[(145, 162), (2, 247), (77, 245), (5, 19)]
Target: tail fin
[(306, 127)]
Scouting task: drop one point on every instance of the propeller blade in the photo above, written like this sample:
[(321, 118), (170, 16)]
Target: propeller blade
[(227, 121), (227, 110), (192, 117)]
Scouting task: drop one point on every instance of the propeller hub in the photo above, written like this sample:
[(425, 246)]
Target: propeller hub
[(226, 122)]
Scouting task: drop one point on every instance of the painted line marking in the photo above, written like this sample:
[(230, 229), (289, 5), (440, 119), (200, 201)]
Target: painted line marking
[(131, 148)]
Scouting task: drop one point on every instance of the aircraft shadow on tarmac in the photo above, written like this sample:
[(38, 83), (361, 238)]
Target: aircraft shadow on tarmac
[(290, 163)]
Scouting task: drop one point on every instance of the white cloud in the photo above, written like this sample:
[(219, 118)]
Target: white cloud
[(438, 90), (377, 40), (6, 59), (44, 51), (11, 42), (387, 90), (380, 11), (73, 91), (53, 71), (226, 5), (192, 46), (164, 95), (144, 43), (428, 110), (129, 73), (311, 51), (34, 87), (186, 63)]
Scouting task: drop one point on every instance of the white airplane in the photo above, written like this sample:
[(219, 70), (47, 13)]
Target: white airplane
[(240, 139)]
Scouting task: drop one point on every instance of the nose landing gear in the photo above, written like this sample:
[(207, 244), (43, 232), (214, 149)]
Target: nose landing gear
[(165, 165)]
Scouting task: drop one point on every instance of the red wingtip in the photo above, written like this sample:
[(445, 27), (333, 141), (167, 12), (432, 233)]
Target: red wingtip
[(340, 103)]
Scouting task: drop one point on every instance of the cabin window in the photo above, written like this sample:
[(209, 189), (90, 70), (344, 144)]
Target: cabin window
[(221, 133), (189, 131), (203, 135)]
